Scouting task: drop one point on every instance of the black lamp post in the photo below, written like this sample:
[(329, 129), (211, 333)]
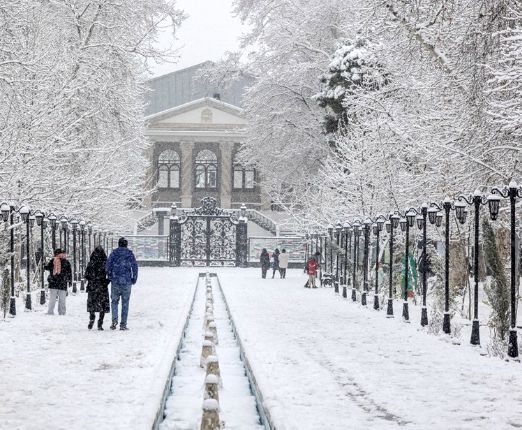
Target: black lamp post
[(377, 228), (366, 229), (25, 213), (52, 220), (8, 211), (356, 232), (89, 230), (476, 200), (82, 254), (391, 225), (422, 224), (338, 230), (74, 224), (64, 224), (446, 206), (40, 223), (330, 237), (406, 223), (512, 191), (347, 244)]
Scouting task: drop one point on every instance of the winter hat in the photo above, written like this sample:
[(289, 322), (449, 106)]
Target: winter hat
[(57, 251), (122, 242)]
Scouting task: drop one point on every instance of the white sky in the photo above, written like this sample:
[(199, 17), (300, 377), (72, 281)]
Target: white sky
[(206, 34)]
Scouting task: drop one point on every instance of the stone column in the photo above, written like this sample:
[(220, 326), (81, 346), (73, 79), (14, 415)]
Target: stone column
[(226, 174), (186, 173)]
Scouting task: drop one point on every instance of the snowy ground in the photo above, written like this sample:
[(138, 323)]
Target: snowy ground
[(58, 375), (323, 362)]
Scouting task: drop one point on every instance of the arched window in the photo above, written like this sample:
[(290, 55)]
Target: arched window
[(206, 170), (168, 169), (244, 177)]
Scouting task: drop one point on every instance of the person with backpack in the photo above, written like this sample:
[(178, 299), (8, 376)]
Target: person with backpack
[(283, 263), (312, 266), (264, 260), (59, 278), (122, 272), (97, 283)]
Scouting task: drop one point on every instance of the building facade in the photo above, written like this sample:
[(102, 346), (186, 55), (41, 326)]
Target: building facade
[(196, 133)]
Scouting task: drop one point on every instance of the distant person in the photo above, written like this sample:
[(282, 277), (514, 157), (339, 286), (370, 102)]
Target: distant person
[(59, 278), (97, 291), (264, 260), (275, 263), (312, 266), (283, 263), (122, 271)]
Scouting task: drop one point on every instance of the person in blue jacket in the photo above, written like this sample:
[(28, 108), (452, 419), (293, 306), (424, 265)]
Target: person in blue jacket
[(122, 271)]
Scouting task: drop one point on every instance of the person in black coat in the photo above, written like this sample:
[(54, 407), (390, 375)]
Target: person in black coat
[(264, 259), (59, 278), (97, 291)]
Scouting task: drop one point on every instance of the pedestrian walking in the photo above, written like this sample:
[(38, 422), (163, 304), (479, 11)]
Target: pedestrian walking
[(122, 271), (264, 259), (58, 279), (275, 263), (97, 283), (283, 263), (312, 266)]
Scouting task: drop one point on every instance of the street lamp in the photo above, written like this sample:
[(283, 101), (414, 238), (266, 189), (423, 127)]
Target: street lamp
[(74, 224), (476, 200), (25, 212), (356, 232), (391, 226), (52, 220), (406, 222), (338, 230), (82, 254), (64, 223), (377, 228), (447, 205), (8, 211), (422, 224), (40, 222), (347, 244), (366, 229), (512, 191), (89, 230)]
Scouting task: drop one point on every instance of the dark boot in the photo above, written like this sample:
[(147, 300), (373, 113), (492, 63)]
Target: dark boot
[(100, 320), (114, 324), (92, 316)]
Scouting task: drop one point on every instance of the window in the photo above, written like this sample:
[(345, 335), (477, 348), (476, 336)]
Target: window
[(168, 169), (206, 170), (244, 177)]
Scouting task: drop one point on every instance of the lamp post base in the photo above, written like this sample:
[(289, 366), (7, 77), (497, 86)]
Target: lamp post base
[(446, 326), (354, 295), (74, 288), (363, 298), (12, 307), (513, 343), (475, 333), (42, 297), (345, 293), (336, 287), (28, 302), (424, 316), (82, 285), (376, 302), (405, 312), (389, 310)]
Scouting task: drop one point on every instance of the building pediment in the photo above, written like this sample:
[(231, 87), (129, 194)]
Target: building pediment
[(203, 113)]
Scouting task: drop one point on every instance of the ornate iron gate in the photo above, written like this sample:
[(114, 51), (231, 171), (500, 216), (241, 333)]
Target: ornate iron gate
[(208, 236)]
